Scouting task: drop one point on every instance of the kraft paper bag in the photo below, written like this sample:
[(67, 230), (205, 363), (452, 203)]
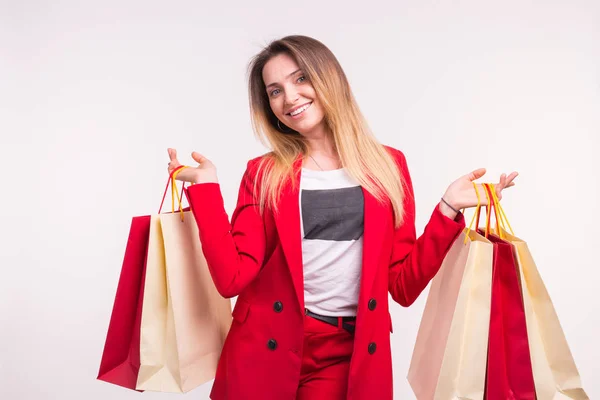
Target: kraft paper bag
[(184, 319), (449, 357)]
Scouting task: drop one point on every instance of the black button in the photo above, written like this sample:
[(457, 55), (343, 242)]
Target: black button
[(372, 348), (372, 304), (278, 306), (272, 344)]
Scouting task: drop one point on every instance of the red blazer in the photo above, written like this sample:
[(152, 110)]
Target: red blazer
[(259, 259)]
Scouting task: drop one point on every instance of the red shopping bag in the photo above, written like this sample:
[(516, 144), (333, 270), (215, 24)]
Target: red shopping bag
[(120, 362), (509, 369), (121, 357)]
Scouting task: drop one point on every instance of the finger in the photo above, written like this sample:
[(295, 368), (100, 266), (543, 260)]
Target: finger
[(499, 191), (512, 176), (199, 158), (478, 173), (501, 184), (172, 154)]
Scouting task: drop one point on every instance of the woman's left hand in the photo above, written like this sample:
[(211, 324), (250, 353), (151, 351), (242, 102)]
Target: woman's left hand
[(461, 193)]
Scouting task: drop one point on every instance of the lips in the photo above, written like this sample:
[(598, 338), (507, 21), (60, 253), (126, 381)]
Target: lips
[(304, 107)]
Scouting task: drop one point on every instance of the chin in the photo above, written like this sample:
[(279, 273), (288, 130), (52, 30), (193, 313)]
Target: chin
[(305, 127), (304, 130)]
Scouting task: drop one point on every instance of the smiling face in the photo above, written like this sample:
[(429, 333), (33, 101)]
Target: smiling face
[(292, 98)]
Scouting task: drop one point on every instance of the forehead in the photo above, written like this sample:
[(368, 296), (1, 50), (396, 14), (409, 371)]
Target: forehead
[(278, 68)]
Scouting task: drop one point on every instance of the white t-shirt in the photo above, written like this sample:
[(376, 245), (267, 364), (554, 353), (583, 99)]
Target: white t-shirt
[(332, 223)]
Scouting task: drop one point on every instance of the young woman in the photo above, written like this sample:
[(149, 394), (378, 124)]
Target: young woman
[(323, 229)]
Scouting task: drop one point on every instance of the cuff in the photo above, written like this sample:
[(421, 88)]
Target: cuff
[(448, 224), (207, 195)]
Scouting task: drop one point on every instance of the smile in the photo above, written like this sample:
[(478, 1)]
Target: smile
[(299, 110)]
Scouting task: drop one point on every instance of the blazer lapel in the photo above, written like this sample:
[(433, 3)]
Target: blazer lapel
[(375, 227), (287, 222)]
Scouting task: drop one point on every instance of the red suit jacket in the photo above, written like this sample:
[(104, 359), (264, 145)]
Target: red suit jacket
[(259, 259)]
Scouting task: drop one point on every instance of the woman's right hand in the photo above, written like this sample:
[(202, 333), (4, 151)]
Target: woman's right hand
[(205, 171)]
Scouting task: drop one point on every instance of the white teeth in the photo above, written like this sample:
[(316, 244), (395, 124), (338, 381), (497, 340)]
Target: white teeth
[(301, 109)]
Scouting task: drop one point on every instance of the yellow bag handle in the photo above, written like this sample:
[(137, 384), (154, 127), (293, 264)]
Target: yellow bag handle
[(174, 192), (501, 218), (492, 205), (476, 214), (499, 214), (488, 208)]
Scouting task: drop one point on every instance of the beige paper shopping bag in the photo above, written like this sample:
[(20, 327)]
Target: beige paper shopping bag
[(184, 319), (449, 357), (554, 371)]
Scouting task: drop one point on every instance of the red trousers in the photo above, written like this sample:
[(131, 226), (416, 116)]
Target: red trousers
[(325, 361)]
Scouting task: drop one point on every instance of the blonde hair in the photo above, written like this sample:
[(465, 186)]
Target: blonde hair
[(365, 159)]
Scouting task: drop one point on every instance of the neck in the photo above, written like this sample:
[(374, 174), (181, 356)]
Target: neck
[(321, 143)]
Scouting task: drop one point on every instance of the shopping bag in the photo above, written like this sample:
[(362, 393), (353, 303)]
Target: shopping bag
[(509, 369), (554, 371), (184, 319), (121, 356), (450, 352), (120, 361)]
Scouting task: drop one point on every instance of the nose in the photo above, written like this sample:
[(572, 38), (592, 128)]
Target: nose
[(291, 96)]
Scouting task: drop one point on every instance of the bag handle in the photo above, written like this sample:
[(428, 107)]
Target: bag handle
[(490, 208), (174, 191), (501, 218), (493, 205), (477, 214)]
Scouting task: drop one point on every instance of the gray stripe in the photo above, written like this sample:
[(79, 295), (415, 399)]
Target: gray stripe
[(333, 214)]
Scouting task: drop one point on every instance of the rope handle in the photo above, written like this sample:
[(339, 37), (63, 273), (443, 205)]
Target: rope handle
[(477, 215), (499, 214), (174, 191)]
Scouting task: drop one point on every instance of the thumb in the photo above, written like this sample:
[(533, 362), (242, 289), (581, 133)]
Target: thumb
[(172, 154), (478, 173), (199, 158)]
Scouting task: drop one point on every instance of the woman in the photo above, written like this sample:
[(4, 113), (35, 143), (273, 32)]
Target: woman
[(324, 227)]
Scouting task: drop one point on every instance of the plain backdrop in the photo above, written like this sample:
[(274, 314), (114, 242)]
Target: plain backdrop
[(93, 93)]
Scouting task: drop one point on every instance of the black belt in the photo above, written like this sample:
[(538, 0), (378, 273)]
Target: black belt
[(333, 320)]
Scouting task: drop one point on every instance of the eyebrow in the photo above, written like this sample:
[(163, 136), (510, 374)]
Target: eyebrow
[(275, 83)]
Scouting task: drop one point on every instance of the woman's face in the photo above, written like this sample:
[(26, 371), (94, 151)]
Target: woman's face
[(291, 96)]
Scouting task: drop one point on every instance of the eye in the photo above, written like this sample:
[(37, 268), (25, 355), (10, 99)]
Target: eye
[(301, 79), (274, 92)]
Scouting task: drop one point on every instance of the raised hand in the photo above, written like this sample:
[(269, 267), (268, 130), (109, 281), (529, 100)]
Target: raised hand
[(461, 193), (205, 172)]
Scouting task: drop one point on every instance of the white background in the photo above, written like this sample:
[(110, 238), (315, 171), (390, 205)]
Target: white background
[(93, 93)]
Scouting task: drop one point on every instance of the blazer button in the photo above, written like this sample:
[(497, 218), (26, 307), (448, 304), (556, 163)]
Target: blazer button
[(372, 304), (272, 344), (278, 306), (372, 347)]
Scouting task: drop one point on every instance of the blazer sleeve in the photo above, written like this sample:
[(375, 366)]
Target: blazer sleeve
[(234, 251), (415, 261)]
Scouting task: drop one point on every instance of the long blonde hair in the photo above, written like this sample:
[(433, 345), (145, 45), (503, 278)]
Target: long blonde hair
[(364, 158)]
